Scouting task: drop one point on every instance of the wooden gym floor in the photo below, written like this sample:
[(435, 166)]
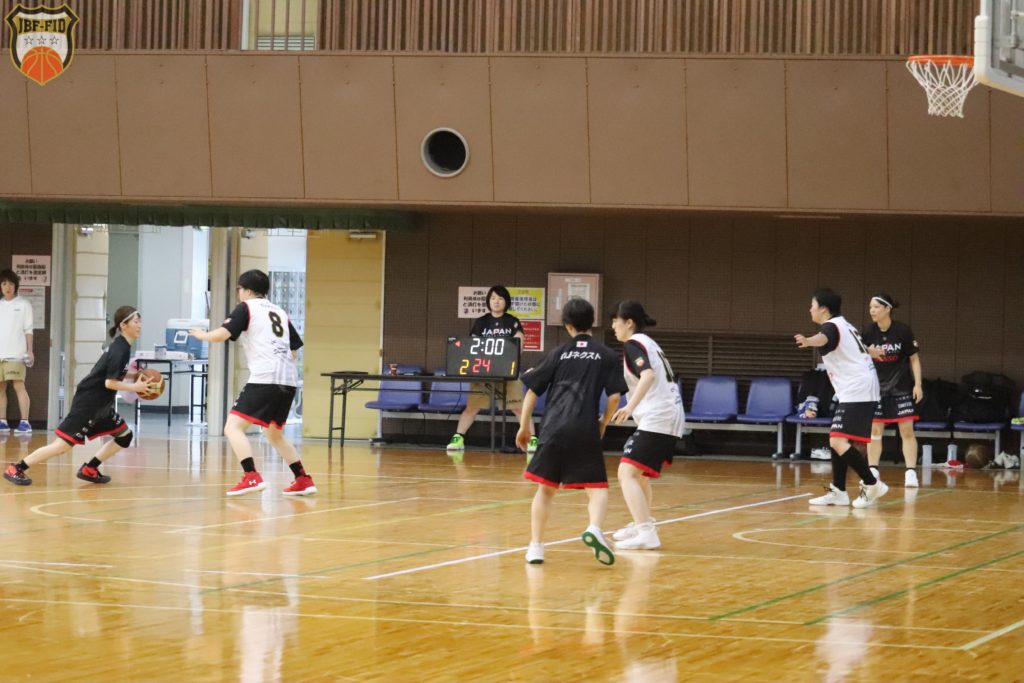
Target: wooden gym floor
[(409, 567)]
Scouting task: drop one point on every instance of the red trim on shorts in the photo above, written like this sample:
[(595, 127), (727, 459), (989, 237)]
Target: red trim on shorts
[(851, 437), (648, 471), (68, 439), (112, 431), (587, 485), (540, 480), (249, 418), (893, 420)]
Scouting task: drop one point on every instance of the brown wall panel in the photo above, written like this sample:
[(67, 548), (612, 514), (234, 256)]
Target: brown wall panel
[(936, 163), (637, 131), (493, 264), (443, 92), (348, 127), (1007, 150), (540, 156), (16, 170), (163, 125), (730, 274), (711, 276), (736, 132), (836, 134), (73, 129), (753, 276), (255, 126)]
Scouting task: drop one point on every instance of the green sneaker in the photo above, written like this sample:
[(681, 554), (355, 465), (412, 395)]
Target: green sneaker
[(531, 447), (1017, 421), (457, 443)]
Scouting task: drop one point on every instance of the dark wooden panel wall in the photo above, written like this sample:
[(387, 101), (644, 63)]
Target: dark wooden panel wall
[(958, 279), (36, 240), (344, 130)]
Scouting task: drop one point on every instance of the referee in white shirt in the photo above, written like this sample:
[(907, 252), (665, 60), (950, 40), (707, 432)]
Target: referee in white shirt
[(15, 349)]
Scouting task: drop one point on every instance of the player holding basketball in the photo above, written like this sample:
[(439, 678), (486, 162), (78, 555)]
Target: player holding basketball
[(270, 342), (657, 407), (893, 347), (569, 454), (92, 413), (497, 323), (856, 383)]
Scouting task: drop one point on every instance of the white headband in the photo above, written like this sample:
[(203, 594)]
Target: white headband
[(881, 301), (128, 317)]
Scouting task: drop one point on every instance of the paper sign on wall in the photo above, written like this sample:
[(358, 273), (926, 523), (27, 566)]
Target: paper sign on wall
[(33, 270), (37, 297)]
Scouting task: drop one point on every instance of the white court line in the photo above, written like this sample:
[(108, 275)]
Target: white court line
[(576, 538), (284, 576), (185, 529), (57, 564), (992, 636), (475, 625)]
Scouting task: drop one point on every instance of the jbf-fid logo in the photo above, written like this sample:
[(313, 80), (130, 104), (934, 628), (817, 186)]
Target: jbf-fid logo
[(42, 40)]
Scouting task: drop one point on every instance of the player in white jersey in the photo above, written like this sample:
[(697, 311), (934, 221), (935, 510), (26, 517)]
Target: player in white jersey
[(656, 406), (270, 342), (854, 378)]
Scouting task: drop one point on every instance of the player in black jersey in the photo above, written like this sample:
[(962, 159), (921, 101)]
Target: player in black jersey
[(497, 323), (92, 413), (893, 348), (569, 454)]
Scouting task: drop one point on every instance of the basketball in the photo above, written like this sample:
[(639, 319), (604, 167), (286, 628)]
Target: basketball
[(42, 64), (151, 375), (978, 456)]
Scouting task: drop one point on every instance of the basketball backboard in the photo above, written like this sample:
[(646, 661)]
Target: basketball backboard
[(999, 45)]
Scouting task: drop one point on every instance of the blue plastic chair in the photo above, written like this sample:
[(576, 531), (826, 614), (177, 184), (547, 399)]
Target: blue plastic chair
[(769, 401), (714, 400), (398, 395), (446, 398)]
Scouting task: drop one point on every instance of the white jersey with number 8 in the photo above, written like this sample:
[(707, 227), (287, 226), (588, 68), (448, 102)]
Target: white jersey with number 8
[(267, 345)]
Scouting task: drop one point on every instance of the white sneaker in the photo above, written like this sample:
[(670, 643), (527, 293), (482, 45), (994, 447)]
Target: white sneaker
[(833, 496), (645, 538), (627, 531), (869, 494), (535, 553), (910, 479), (821, 454)]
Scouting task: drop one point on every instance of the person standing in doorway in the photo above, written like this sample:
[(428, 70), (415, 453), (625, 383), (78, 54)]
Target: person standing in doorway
[(893, 347), (15, 349), (270, 342), (498, 322), (856, 383)]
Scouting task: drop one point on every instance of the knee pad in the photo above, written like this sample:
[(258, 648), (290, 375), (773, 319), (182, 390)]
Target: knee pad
[(124, 440)]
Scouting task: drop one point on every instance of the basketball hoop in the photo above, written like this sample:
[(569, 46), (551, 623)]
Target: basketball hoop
[(946, 80)]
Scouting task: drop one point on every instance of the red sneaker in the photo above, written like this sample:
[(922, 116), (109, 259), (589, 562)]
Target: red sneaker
[(302, 486), (251, 481)]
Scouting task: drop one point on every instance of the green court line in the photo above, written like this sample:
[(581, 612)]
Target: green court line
[(731, 497), (925, 584), (873, 570), (336, 568)]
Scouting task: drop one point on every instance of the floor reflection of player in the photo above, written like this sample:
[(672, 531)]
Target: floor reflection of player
[(843, 647), (640, 665)]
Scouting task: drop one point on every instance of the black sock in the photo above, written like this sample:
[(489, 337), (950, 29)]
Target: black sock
[(21, 466), (297, 469), (94, 463), (248, 465), (859, 463), (838, 471)]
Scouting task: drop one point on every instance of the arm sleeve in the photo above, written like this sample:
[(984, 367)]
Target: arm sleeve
[(831, 333), (118, 356), (238, 321), (294, 340), (637, 359), (909, 343), (616, 383), (27, 322), (539, 378), (517, 326)]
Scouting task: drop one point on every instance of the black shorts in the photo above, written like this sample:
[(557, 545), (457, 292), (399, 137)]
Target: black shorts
[(88, 422), (649, 451), (896, 407), (853, 421), (573, 465), (264, 404)]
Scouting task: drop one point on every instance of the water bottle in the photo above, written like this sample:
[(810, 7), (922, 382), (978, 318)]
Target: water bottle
[(926, 455), (951, 452)]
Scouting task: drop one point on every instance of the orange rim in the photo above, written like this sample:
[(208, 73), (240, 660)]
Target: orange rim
[(942, 60)]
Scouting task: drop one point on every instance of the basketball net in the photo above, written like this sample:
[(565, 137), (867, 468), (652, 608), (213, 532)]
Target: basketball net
[(946, 80)]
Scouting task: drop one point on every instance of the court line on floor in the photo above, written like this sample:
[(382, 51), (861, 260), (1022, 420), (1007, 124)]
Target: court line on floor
[(576, 538), (858, 575), (900, 593), (476, 625), (185, 529), (992, 636)]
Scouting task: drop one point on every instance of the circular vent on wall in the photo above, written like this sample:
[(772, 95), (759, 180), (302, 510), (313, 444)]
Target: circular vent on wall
[(445, 152)]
